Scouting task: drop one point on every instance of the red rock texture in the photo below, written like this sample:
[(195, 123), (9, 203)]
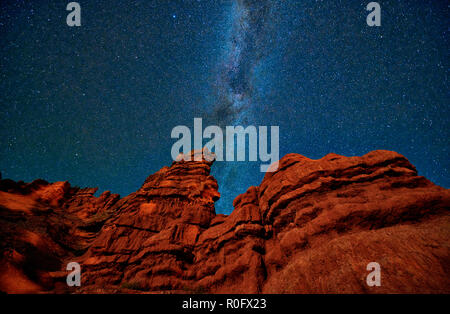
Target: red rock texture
[(41, 225), (310, 227)]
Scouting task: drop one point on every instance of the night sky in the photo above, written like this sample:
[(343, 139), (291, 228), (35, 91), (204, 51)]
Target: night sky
[(95, 105)]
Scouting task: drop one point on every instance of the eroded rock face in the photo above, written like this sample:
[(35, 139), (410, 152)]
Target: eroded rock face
[(41, 225), (149, 243), (310, 227), (331, 217)]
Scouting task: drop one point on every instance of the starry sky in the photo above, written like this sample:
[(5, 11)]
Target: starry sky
[(96, 104)]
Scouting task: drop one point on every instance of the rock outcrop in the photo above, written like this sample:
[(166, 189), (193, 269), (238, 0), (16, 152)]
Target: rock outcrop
[(42, 225), (312, 226)]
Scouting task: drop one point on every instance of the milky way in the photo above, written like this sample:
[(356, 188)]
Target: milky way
[(251, 23), (246, 46)]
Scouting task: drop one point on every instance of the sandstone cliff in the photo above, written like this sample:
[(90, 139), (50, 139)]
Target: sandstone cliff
[(310, 227)]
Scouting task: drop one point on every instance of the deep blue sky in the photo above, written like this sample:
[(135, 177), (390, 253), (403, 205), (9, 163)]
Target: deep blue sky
[(96, 104)]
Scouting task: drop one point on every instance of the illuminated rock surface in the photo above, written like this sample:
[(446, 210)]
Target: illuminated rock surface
[(310, 227)]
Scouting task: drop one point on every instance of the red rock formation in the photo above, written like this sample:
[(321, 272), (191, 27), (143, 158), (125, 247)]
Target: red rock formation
[(333, 216), (310, 227), (43, 224)]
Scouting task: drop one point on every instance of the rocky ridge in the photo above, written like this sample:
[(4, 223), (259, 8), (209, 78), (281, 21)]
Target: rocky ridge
[(310, 227)]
